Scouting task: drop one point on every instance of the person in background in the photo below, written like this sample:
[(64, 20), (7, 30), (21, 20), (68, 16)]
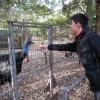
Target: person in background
[(25, 46), (87, 46), (5, 75)]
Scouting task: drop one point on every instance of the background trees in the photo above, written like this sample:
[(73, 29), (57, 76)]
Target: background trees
[(98, 16), (49, 11)]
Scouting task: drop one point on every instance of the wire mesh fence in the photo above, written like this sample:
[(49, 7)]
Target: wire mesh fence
[(28, 81), (5, 76)]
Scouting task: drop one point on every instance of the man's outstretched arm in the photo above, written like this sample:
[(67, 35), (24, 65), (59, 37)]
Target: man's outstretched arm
[(63, 47)]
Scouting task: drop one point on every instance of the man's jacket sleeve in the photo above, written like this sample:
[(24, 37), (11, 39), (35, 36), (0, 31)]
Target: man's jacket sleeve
[(63, 47), (95, 43)]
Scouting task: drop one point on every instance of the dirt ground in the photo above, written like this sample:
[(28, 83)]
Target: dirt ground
[(34, 77)]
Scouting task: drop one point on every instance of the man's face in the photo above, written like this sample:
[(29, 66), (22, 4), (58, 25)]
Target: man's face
[(74, 27)]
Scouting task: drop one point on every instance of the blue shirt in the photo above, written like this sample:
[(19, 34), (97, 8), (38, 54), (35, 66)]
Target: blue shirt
[(25, 47)]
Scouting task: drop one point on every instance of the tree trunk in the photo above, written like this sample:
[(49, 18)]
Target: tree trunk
[(88, 10), (98, 16)]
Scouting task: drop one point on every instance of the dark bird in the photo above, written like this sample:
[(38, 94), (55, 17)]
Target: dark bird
[(5, 75)]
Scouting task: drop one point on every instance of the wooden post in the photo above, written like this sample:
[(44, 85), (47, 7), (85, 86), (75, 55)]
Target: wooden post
[(45, 54)]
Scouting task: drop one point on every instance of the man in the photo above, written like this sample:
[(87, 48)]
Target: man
[(87, 46)]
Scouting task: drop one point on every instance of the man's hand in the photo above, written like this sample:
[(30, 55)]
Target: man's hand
[(44, 48)]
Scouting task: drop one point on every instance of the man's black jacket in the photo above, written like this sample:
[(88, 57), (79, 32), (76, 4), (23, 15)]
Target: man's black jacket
[(87, 46)]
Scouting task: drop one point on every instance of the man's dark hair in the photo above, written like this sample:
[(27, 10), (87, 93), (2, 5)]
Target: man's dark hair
[(80, 18)]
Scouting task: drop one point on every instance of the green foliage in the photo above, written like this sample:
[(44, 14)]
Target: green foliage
[(57, 20), (16, 9), (37, 12), (84, 6)]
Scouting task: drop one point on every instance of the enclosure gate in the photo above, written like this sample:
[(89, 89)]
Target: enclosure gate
[(16, 32)]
